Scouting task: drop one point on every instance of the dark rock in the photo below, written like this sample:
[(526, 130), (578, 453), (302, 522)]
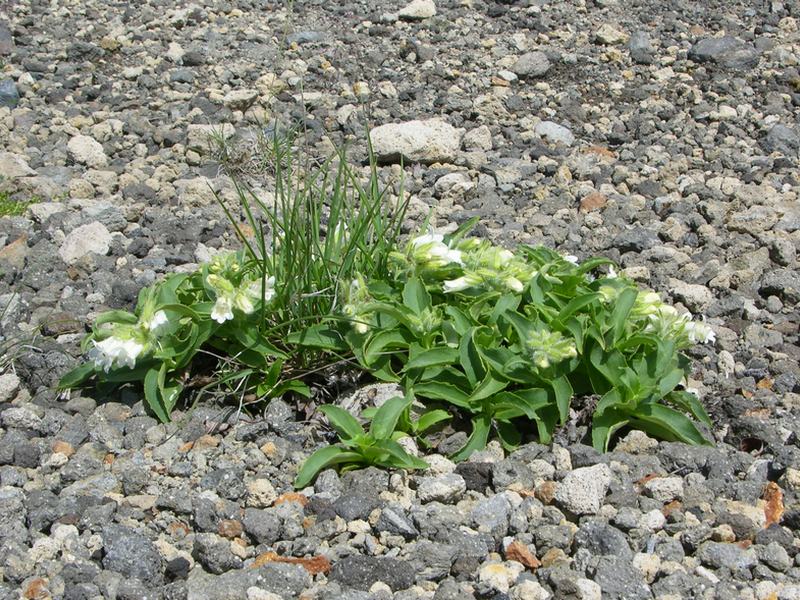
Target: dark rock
[(531, 64), (393, 520), (729, 556), (477, 475), (262, 525), (9, 95), (287, 581), (784, 283), (362, 572), (355, 506), (641, 48), (214, 553), (619, 579), (781, 139), (131, 554), (228, 483), (727, 52), (602, 539)]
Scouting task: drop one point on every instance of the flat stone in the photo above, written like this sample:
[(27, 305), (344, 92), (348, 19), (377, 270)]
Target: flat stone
[(531, 64), (445, 488), (729, 556), (428, 141), (9, 386), (727, 52), (417, 10), (93, 238), (554, 133), (582, 491), (362, 572), (609, 35), (13, 166), (9, 94), (87, 151), (240, 99)]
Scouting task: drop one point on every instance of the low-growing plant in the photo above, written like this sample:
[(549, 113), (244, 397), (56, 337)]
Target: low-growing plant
[(10, 207), (504, 339)]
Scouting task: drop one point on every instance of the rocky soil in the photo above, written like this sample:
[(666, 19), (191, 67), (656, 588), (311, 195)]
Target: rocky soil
[(664, 135)]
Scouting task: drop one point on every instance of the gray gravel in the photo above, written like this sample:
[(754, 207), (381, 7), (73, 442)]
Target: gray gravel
[(663, 135)]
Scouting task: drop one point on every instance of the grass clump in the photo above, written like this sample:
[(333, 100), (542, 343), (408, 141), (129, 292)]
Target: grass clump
[(501, 340), (9, 207)]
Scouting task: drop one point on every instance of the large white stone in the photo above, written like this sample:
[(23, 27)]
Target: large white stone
[(93, 238), (418, 10), (427, 141), (582, 491), (87, 151), (13, 166)]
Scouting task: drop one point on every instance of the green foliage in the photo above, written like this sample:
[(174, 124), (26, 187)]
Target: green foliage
[(245, 317), (15, 208), (376, 446), (503, 340)]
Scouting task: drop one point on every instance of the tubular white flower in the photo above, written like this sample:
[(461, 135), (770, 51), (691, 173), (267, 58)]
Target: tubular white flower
[(447, 255), (428, 238), (457, 285), (113, 351), (514, 284), (158, 323), (612, 273), (699, 332), (223, 309), (571, 258)]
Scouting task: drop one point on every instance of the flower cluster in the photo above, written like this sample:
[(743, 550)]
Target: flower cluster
[(664, 320), (127, 342), (356, 308), (233, 289), (549, 347)]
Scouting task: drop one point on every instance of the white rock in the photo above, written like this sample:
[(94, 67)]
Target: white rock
[(21, 417), (500, 576), (240, 99), (256, 593), (665, 489), (90, 238), (9, 385), (198, 135), (529, 590), (87, 151), (609, 35), (697, 298), (636, 442), (653, 520), (588, 589), (582, 491), (479, 138), (454, 184), (175, 52), (418, 10), (13, 165), (445, 488), (41, 211), (260, 493), (555, 133), (427, 141), (647, 564)]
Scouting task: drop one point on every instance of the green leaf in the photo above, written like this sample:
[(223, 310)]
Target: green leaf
[(381, 342), (436, 390), (690, 403), (385, 420), (667, 423), (461, 322), (605, 425), (509, 434), (507, 302), (432, 357), (481, 425), (318, 336), (670, 381), (345, 424), (116, 316), (610, 364), (622, 308), (563, 394), (76, 376), (169, 389), (415, 296), (528, 400), (429, 419), (321, 459), (576, 304), (470, 358), (153, 396), (399, 457), (486, 389)]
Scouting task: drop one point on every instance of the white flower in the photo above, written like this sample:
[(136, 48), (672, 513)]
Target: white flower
[(571, 258), (514, 284), (428, 238), (360, 327), (114, 351), (457, 285), (441, 251), (243, 303), (158, 323), (223, 309), (612, 273), (504, 256), (699, 332)]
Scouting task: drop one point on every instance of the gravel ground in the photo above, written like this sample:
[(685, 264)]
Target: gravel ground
[(664, 135)]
